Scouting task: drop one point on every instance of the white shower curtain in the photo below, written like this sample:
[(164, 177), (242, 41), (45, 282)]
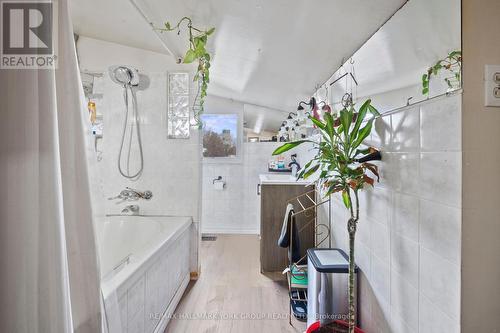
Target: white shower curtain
[(49, 278)]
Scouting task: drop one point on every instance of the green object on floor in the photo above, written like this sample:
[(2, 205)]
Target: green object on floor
[(298, 277)]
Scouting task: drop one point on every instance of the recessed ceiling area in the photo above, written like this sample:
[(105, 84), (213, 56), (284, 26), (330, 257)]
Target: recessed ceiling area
[(265, 53)]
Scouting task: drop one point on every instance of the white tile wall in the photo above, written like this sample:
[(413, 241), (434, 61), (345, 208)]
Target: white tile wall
[(171, 166), (408, 240), (236, 209), (172, 169)]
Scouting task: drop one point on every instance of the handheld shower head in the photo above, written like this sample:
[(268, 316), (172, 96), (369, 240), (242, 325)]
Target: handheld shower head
[(124, 75), (128, 77)]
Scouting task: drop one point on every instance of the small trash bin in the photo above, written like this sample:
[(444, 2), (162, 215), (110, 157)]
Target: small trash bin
[(328, 298)]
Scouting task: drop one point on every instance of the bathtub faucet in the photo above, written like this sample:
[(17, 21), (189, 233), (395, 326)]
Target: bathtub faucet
[(129, 194), (131, 210)]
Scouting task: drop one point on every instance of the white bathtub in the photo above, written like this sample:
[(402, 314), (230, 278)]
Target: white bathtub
[(144, 263)]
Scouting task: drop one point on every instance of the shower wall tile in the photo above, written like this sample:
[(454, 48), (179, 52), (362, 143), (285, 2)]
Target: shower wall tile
[(405, 215), (381, 280), (375, 203), (381, 241), (408, 238), (440, 124), (402, 172), (440, 282), (171, 167), (398, 325), (433, 320), (405, 131), (405, 258), (404, 301), (440, 177), (440, 229)]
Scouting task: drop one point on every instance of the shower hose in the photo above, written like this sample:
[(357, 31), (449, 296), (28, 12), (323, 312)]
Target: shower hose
[(135, 124)]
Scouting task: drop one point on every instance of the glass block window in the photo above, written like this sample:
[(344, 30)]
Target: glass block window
[(178, 114)]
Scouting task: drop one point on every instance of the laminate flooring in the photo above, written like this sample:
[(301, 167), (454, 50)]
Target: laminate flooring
[(231, 295)]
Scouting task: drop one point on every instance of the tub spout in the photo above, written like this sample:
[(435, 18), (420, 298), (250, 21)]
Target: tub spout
[(131, 210)]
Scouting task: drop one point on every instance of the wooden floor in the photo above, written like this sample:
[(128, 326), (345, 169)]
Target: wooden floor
[(231, 295)]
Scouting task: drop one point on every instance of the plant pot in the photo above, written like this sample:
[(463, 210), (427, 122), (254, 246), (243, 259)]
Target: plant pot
[(338, 326)]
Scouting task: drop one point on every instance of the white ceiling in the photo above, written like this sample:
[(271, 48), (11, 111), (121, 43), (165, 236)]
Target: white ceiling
[(400, 52), (267, 53)]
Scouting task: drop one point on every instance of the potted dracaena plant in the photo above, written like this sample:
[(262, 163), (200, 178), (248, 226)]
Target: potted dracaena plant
[(342, 166)]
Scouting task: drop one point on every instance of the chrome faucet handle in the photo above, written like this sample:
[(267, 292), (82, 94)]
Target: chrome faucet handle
[(144, 195), (148, 195), (125, 195)]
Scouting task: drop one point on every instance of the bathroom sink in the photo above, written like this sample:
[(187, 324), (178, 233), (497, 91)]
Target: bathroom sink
[(277, 179)]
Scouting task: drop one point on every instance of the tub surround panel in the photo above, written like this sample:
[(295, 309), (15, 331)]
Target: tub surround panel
[(408, 240), (148, 287)]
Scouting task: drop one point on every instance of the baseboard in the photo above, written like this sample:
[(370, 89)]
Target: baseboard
[(165, 318), (231, 231)]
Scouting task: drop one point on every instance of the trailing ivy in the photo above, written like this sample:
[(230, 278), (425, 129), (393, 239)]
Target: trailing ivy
[(197, 52), (453, 64)]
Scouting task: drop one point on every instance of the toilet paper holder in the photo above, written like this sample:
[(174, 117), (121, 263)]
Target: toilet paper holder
[(219, 184)]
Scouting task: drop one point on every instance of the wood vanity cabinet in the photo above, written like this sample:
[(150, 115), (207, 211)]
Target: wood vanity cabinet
[(273, 201)]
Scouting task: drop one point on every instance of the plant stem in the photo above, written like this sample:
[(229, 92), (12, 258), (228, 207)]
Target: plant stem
[(351, 228)]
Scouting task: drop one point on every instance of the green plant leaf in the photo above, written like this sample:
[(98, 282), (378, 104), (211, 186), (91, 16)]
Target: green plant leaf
[(318, 123), (345, 199), (197, 41), (311, 171), (210, 31), (345, 120), (329, 125), (363, 134), (301, 171), (340, 129), (167, 25), (289, 145), (189, 57), (361, 116), (373, 110)]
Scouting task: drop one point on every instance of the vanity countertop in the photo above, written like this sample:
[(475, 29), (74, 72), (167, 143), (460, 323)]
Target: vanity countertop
[(280, 179)]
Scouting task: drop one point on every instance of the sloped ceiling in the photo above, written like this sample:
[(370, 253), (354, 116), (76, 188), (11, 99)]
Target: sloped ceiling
[(266, 53)]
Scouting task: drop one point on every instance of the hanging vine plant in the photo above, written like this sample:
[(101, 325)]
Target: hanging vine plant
[(197, 52), (453, 64)]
